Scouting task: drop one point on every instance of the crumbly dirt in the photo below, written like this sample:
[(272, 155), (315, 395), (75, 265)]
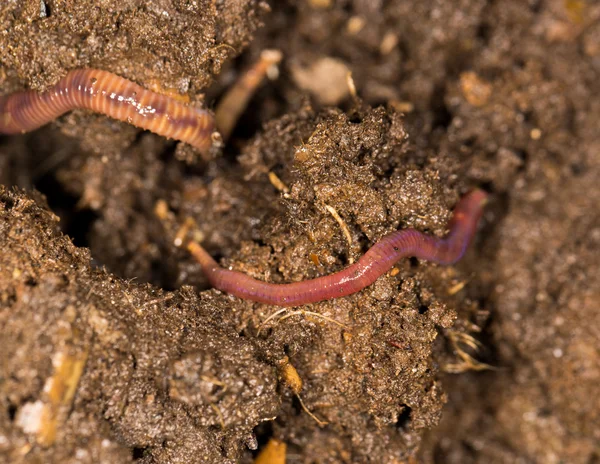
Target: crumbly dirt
[(116, 351)]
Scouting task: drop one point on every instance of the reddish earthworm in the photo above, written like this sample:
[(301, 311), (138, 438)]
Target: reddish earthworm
[(112, 95), (379, 259)]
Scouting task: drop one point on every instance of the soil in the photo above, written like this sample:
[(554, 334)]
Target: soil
[(114, 348)]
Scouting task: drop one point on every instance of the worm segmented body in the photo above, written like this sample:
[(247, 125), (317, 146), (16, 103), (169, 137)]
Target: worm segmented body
[(375, 262), (107, 93)]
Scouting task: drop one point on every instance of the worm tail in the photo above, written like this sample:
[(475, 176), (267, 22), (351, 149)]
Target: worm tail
[(112, 95), (28, 110)]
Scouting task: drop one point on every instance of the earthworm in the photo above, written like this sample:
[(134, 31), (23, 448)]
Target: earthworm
[(109, 94), (379, 259)]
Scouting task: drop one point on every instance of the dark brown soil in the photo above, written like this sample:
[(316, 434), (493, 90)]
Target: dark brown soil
[(113, 348)]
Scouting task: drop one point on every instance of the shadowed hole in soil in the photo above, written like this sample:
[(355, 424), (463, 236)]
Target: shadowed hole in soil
[(484, 32), (74, 222), (161, 276), (578, 169), (442, 116), (138, 452), (45, 10), (263, 433), (404, 417), (8, 203), (524, 157), (12, 411)]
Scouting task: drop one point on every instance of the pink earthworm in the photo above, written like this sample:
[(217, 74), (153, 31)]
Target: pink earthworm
[(113, 96), (378, 260)]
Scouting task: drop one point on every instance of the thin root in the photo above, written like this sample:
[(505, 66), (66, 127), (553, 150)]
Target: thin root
[(351, 85), (275, 314), (278, 183), (458, 287), (295, 313), (319, 422), (344, 228), (183, 231), (214, 381), (312, 313), (219, 415), (468, 362)]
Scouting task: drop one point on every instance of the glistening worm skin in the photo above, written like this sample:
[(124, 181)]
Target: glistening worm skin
[(379, 259), (107, 93)]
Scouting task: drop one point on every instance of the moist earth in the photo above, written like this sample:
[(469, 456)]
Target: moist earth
[(114, 348)]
